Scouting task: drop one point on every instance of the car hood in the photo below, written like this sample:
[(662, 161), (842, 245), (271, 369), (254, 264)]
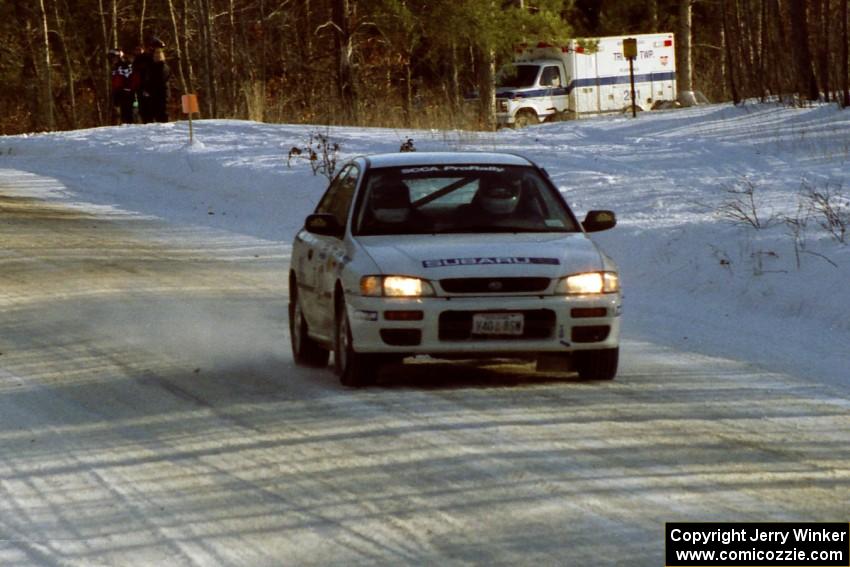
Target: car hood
[(484, 255), (515, 92)]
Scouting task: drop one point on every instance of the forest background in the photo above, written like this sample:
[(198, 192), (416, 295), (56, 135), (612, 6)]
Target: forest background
[(395, 63)]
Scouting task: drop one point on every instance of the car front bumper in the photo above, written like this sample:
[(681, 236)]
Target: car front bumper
[(551, 324), (505, 118)]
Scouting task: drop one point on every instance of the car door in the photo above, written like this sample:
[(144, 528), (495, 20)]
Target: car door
[(329, 251), (552, 78), (306, 253)]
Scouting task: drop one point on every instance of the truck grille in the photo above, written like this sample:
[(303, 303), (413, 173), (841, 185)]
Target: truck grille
[(457, 326), (494, 285)]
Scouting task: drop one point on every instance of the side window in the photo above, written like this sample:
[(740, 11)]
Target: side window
[(324, 205), (551, 77), (338, 197)]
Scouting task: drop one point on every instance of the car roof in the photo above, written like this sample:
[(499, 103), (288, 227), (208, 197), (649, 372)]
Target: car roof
[(405, 159)]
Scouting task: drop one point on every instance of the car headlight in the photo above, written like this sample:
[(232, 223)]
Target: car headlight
[(588, 283), (395, 286)]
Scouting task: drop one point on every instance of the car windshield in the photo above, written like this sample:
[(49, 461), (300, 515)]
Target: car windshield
[(517, 76), (441, 199)]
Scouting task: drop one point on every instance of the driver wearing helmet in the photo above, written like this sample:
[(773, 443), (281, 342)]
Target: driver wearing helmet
[(501, 201), (498, 198), (389, 209), (389, 201)]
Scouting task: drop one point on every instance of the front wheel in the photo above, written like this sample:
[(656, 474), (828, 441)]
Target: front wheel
[(305, 350), (354, 369), (525, 118), (597, 364)]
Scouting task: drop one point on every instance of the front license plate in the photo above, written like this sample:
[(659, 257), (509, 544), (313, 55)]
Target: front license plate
[(497, 323)]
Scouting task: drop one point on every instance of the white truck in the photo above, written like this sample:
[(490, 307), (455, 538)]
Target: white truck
[(585, 76)]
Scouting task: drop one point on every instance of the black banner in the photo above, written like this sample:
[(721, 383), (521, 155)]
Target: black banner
[(744, 544)]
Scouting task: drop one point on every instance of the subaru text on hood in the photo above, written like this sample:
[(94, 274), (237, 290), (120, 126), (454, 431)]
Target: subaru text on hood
[(452, 255)]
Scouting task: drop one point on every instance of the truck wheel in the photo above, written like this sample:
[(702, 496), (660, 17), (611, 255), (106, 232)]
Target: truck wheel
[(305, 350), (597, 364), (525, 118), (354, 369)]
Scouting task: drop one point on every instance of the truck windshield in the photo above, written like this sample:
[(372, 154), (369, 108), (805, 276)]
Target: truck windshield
[(443, 199), (518, 76)]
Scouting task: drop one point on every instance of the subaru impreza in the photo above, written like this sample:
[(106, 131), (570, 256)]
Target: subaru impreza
[(451, 255)]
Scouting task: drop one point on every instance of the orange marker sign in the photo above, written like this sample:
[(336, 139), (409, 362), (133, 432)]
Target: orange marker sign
[(190, 103)]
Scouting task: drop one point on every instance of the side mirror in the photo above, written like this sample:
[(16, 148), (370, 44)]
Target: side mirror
[(596, 221), (324, 224)]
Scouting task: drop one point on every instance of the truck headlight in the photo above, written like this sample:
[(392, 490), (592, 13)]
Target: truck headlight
[(588, 283), (395, 286)]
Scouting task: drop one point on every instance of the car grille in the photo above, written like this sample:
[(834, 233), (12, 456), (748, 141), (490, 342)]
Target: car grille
[(457, 326), (494, 285)]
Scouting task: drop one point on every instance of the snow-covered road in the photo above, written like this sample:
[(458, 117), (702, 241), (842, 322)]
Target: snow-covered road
[(151, 414)]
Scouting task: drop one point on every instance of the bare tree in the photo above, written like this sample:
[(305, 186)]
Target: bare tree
[(805, 77), (775, 50), (48, 118), (115, 24), (69, 67), (206, 30), (744, 56), (764, 42), (343, 49), (684, 59), (728, 53), (753, 23), (177, 50), (820, 14), (106, 69), (184, 18), (142, 21), (486, 62), (845, 81)]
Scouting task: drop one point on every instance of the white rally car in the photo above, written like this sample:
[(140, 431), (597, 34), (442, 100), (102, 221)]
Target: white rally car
[(451, 255)]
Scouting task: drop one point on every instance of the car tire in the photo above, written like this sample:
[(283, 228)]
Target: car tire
[(354, 369), (597, 364), (305, 350), (525, 118)]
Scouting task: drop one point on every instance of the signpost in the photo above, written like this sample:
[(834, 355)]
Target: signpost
[(630, 53), (190, 106)]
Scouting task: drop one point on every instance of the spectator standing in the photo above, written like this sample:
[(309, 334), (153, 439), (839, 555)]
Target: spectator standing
[(137, 51), (150, 81), (141, 64), (122, 90), (158, 83)]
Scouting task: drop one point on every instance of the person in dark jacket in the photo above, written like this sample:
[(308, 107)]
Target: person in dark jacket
[(123, 96), (158, 77), (141, 63), (150, 79)]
